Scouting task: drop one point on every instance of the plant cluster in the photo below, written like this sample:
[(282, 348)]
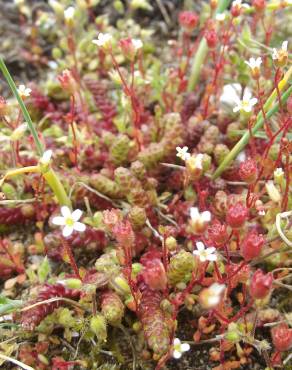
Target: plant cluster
[(146, 203)]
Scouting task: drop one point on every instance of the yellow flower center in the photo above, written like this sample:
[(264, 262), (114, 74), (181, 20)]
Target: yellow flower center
[(69, 221)]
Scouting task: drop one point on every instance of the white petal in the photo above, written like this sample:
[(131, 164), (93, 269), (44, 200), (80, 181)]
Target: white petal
[(67, 231), (185, 347), (210, 250), (202, 258), (196, 253), (176, 354), (194, 213), (217, 288), (65, 211), (206, 216), (247, 109), (212, 257), (176, 341), (47, 156), (200, 246), (79, 226), (253, 101), (285, 45), (60, 221), (246, 95), (76, 214), (236, 109), (214, 300)]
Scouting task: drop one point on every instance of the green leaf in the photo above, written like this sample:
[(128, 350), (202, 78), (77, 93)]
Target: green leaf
[(44, 270), (8, 305)]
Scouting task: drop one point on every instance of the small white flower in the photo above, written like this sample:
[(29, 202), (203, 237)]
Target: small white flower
[(46, 157), (230, 95), (220, 17), (196, 216), (179, 348), (238, 3), (278, 172), (211, 297), (205, 254), (69, 13), (183, 153), (246, 104), (23, 91), (195, 162), (103, 40), (278, 54), (137, 43), (261, 212), (254, 63), (69, 220)]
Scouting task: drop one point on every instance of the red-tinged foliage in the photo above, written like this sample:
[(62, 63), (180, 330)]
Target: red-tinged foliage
[(156, 325), (261, 284), (252, 245), (236, 215), (17, 215), (282, 337), (91, 239), (32, 317)]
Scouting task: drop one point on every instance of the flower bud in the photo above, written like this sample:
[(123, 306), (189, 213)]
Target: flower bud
[(261, 284), (211, 38), (259, 5), (130, 47), (252, 245), (188, 20), (67, 81), (282, 337), (236, 215), (4, 108), (248, 171), (112, 307), (171, 243)]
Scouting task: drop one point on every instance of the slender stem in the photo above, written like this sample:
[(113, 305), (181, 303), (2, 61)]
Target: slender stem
[(202, 52), (246, 137), (23, 108), (50, 176)]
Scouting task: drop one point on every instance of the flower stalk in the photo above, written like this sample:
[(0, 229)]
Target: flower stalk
[(271, 110), (202, 52), (50, 176)]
